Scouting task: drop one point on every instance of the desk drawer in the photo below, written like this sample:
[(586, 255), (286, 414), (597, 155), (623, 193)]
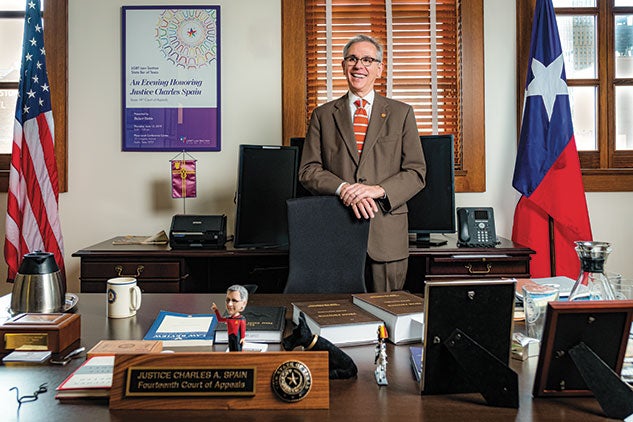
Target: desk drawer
[(153, 276), (146, 286), (483, 267), (139, 269)]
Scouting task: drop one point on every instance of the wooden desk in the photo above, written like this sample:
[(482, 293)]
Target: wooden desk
[(353, 399), (160, 269)]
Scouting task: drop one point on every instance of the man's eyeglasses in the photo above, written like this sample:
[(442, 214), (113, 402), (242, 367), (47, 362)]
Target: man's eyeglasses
[(43, 388), (366, 61)]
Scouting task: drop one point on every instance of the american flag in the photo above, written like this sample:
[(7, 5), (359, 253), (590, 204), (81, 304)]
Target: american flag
[(32, 205), (547, 170)]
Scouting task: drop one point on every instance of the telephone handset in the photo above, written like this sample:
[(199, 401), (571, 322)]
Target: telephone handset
[(476, 227)]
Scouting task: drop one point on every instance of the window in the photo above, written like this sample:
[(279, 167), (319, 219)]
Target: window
[(432, 87), (597, 41), (55, 37)]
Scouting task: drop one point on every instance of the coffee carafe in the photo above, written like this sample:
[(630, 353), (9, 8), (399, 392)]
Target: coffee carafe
[(38, 287), (592, 283)]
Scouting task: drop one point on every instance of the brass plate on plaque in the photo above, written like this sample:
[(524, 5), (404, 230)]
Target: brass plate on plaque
[(26, 341), (190, 381)]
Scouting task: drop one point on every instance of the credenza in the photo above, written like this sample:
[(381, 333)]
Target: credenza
[(160, 269)]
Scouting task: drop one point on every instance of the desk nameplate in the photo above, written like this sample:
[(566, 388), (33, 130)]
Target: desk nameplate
[(190, 381)]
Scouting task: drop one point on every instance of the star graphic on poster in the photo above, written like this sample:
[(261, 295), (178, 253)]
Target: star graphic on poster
[(547, 83), (191, 32)]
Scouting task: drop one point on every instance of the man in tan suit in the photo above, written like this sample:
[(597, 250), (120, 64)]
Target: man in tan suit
[(378, 181)]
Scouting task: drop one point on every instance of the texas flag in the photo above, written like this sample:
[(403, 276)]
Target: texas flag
[(547, 170)]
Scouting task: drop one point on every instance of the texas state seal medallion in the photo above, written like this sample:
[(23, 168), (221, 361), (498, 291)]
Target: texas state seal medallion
[(291, 381)]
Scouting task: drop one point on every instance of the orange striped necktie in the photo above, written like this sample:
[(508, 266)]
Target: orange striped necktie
[(361, 120)]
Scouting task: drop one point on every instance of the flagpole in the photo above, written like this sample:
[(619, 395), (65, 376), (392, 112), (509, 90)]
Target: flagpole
[(552, 247), (184, 197)]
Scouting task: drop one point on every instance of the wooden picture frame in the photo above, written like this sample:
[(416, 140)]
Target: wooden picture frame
[(603, 326)]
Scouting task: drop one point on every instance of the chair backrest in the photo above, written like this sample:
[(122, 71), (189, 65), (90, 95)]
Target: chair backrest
[(327, 247)]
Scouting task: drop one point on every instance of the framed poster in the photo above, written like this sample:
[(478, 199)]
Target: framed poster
[(171, 78)]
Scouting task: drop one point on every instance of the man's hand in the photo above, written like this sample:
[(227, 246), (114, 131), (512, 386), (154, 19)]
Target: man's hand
[(362, 198)]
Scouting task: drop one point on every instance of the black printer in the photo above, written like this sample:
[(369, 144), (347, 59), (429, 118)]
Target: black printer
[(197, 231)]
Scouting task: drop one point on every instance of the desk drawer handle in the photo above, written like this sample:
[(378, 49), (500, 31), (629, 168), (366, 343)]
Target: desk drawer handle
[(119, 271), (469, 267)]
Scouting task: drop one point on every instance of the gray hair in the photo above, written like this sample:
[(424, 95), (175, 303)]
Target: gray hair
[(240, 289), (362, 38)]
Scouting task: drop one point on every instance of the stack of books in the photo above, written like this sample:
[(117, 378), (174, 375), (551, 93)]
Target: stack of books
[(264, 324), (339, 321), (402, 312)]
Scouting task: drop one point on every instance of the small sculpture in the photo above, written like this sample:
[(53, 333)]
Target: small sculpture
[(381, 357), (341, 365), (236, 300)]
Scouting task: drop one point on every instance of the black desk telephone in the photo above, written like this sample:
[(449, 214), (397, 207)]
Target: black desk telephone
[(476, 227)]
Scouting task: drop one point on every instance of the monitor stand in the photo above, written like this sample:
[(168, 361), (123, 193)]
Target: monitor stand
[(424, 240)]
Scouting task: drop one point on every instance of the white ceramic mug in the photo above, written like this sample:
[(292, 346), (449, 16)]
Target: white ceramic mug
[(124, 297)]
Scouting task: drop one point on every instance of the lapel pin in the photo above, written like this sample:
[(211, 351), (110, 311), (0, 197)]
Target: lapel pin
[(383, 115)]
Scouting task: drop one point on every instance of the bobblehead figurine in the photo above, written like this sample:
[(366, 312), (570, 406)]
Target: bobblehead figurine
[(236, 300)]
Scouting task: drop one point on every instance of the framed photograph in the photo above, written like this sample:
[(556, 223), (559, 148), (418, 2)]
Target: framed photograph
[(171, 78), (603, 326), (481, 309)]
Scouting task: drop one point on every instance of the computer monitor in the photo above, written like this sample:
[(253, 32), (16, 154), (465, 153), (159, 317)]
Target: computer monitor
[(298, 142), (266, 179), (432, 210)]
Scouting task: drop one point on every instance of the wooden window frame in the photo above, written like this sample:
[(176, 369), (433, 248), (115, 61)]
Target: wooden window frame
[(599, 171), (56, 44), (472, 176)]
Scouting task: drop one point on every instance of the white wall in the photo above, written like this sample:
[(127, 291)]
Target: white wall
[(114, 193)]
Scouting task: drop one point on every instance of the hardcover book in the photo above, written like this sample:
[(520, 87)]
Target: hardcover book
[(402, 312), (134, 347), (264, 324), (92, 380), (183, 332), (339, 321), (416, 361)]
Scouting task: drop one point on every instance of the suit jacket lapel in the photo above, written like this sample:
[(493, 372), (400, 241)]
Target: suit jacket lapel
[(341, 116)]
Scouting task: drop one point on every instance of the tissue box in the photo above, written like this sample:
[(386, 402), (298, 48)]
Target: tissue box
[(32, 331)]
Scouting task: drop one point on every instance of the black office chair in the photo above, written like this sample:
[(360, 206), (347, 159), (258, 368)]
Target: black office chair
[(327, 247)]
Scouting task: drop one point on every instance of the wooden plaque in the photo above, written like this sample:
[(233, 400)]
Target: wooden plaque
[(33, 331), (603, 325), (180, 381)]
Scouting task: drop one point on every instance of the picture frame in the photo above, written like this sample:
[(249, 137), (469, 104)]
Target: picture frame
[(170, 78), (568, 324), (483, 310)]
